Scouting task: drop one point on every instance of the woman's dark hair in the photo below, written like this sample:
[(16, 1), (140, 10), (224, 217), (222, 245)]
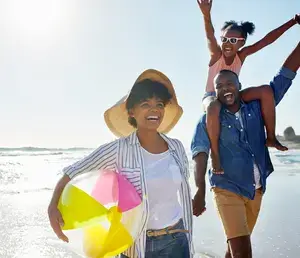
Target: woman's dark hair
[(245, 28), (143, 90)]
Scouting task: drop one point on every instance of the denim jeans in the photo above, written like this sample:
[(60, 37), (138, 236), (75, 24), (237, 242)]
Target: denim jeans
[(168, 246)]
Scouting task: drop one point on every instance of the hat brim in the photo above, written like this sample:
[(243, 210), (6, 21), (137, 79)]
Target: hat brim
[(116, 117)]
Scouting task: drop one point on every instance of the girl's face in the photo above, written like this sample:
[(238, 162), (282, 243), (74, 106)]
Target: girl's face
[(232, 41), (148, 114)]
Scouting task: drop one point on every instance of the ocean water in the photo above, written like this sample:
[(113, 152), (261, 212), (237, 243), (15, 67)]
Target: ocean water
[(28, 175)]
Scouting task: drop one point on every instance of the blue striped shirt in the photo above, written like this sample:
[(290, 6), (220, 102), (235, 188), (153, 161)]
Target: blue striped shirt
[(125, 155)]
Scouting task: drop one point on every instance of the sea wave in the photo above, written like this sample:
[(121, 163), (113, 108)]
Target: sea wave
[(292, 158), (17, 154), (22, 191), (35, 149)]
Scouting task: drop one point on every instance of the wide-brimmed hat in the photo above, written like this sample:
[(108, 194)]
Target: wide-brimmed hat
[(116, 117)]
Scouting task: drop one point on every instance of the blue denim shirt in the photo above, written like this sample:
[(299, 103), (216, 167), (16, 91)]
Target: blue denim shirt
[(240, 147)]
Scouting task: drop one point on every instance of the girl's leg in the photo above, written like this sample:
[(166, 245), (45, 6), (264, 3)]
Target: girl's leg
[(213, 108), (265, 95)]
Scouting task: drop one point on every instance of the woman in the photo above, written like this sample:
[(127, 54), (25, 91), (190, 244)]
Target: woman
[(155, 164)]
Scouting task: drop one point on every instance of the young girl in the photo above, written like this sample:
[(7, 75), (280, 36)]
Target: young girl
[(155, 164), (231, 56)]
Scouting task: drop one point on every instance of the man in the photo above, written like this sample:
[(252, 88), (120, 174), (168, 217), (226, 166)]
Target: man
[(239, 189)]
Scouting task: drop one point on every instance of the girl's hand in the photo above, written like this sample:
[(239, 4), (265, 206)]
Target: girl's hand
[(205, 6), (56, 222), (297, 18)]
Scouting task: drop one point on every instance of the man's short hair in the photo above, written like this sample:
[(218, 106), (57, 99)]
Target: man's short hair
[(224, 71), (229, 71)]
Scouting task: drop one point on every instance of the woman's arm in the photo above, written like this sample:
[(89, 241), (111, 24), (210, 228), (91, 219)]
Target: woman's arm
[(214, 48), (103, 157), (59, 189), (268, 39), (55, 217)]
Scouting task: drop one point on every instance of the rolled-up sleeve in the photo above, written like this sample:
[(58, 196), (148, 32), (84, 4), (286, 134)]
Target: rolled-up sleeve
[(104, 157), (281, 83), (200, 142)]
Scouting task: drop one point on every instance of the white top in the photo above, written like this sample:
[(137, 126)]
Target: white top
[(255, 168), (161, 171), (125, 156)]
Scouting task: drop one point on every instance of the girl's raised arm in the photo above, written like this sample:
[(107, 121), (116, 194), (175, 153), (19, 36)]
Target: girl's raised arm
[(213, 46), (269, 38)]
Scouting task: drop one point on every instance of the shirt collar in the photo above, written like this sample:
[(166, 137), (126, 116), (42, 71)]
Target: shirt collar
[(134, 140), (225, 110)]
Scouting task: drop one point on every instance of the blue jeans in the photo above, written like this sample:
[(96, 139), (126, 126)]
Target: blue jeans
[(168, 246)]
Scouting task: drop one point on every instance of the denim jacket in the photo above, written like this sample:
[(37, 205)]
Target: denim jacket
[(241, 147)]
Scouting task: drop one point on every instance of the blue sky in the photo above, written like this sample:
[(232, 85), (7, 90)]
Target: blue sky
[(63, 63)]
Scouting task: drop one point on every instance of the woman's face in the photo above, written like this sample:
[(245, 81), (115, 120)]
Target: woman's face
[(232, 41), (148, 114)]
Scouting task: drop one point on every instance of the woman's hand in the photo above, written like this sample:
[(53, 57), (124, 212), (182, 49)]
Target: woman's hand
[(56, 222), (205, 6)]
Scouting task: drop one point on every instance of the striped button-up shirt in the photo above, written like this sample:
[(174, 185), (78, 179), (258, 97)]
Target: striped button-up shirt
[(125, 156)]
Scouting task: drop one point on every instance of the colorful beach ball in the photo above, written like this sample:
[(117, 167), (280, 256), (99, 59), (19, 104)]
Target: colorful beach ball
[(101, 212)]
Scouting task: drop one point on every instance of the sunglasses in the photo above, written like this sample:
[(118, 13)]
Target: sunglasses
[(231, 40)]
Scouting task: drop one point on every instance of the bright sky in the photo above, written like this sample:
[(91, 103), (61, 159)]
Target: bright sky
[(63, 63)]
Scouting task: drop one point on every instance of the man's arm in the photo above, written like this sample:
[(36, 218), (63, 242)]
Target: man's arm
[(293, 60), (283, 80), (200, 149), (200, 142), (199, 174)]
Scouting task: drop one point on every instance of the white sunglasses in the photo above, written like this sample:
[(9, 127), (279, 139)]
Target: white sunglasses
[(231, 40)]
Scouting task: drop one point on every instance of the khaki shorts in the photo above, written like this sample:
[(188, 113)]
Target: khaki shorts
[(238, 214)]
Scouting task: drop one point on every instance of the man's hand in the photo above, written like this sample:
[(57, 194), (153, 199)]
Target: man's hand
[(205, 6), (199, 203)]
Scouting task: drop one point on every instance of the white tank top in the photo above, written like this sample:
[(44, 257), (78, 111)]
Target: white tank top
[(220, 65), (163, 180)]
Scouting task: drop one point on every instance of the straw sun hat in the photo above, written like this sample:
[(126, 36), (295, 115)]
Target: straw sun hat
[(116, 117)]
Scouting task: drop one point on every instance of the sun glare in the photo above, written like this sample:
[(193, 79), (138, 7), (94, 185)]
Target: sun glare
[(36, 17)]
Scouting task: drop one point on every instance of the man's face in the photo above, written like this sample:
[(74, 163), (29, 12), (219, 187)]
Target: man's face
[(227, 87)]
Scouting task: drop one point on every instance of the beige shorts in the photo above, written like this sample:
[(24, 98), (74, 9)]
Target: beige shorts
[(238, 214)]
